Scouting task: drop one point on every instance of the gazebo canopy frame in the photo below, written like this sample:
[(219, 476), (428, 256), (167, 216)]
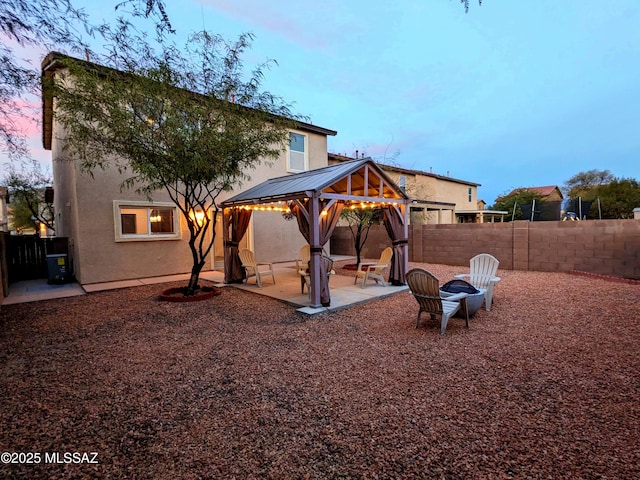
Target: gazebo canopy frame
[(316, 198)]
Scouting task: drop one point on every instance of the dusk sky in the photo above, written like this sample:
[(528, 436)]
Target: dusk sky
[(511, 94)]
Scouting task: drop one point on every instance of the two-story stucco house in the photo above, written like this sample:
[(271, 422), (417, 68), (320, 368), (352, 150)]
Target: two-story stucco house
[(435, 199), (119, 235)]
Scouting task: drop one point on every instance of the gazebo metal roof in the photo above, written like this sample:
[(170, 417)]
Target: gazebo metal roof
[(324, 191), (358, 180)]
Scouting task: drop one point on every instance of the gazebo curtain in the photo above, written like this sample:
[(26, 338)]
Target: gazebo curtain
[(393, 222), (327, 223), (238, 222)]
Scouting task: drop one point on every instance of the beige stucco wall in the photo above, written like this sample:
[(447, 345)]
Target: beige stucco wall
[(436, 189), (270, 236), (278, 167), (66, 203), (85, 214), (274, 238), (440, 190)]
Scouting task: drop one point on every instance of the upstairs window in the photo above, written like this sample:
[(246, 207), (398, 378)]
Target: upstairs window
[(298, 160), (141, 221), (470, 194)]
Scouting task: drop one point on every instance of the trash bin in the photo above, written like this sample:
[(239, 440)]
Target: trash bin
[(58, 268)]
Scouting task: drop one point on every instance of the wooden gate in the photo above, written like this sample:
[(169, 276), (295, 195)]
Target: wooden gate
[(27, 255)]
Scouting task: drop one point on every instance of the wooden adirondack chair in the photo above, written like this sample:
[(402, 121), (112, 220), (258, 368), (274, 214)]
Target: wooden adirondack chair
[(254, 269), (426, 290), (482, 274), (375, 272), (305, 276), (302, 264)]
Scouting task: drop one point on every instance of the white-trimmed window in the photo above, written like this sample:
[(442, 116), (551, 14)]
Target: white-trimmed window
[(144, 221), (298, 155), (470, 193)]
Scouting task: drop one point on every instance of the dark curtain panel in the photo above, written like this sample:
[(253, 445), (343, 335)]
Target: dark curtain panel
[(239, 222), (395, 228), (326, 224), (302, 215)]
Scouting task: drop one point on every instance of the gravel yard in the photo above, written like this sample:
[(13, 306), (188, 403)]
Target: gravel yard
[(545, 386)]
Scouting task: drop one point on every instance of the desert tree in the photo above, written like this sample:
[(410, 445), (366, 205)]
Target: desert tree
[(190, 121), (615, 197), (50, 24), (618, 198), (583, 182), (513, 202), (28, 189), (360, 221)]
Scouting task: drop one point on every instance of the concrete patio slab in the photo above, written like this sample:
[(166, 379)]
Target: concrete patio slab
[(36, 290), (344, 293)]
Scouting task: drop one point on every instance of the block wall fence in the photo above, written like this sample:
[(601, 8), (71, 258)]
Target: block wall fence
[(603, 247)]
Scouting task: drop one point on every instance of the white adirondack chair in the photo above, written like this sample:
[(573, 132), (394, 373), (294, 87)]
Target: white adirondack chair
[(482, 274), (426, 290)]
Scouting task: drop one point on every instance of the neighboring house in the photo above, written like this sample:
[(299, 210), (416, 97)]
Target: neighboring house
[(436, 199), (120, 235), (549, 193), (481, 214), (547, 207)]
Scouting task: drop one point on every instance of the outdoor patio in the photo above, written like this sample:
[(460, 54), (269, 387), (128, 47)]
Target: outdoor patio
[(545, 385), (344, 293)]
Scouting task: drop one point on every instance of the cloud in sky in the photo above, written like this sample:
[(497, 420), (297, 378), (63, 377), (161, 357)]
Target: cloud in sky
[(284, 19), (510, 94)]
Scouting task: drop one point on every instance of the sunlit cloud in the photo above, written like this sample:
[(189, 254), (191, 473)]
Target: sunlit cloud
[(313, 25)]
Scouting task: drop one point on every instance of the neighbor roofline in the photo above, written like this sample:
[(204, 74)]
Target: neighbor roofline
[(393, 168)]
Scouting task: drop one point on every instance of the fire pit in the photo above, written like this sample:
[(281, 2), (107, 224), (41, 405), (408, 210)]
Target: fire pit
[(474, 301)]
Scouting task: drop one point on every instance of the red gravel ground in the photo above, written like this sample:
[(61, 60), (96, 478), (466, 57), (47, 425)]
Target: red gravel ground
[(545, 386)]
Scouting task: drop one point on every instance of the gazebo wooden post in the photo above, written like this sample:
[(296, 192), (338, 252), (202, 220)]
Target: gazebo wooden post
[(226, 213), (316, 249), (404, 208)]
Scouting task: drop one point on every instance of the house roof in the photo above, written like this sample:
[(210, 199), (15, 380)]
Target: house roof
[(543, 191), (392, 168), (52, 62), (357, 180), (418, 201)]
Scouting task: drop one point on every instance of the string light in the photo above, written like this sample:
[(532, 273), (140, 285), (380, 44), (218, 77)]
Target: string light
[(283, 207)]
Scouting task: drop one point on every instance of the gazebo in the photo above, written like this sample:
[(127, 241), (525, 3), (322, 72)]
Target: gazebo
[(316, 198)]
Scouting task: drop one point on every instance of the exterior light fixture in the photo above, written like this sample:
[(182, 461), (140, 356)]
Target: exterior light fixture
[(198, 217)]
